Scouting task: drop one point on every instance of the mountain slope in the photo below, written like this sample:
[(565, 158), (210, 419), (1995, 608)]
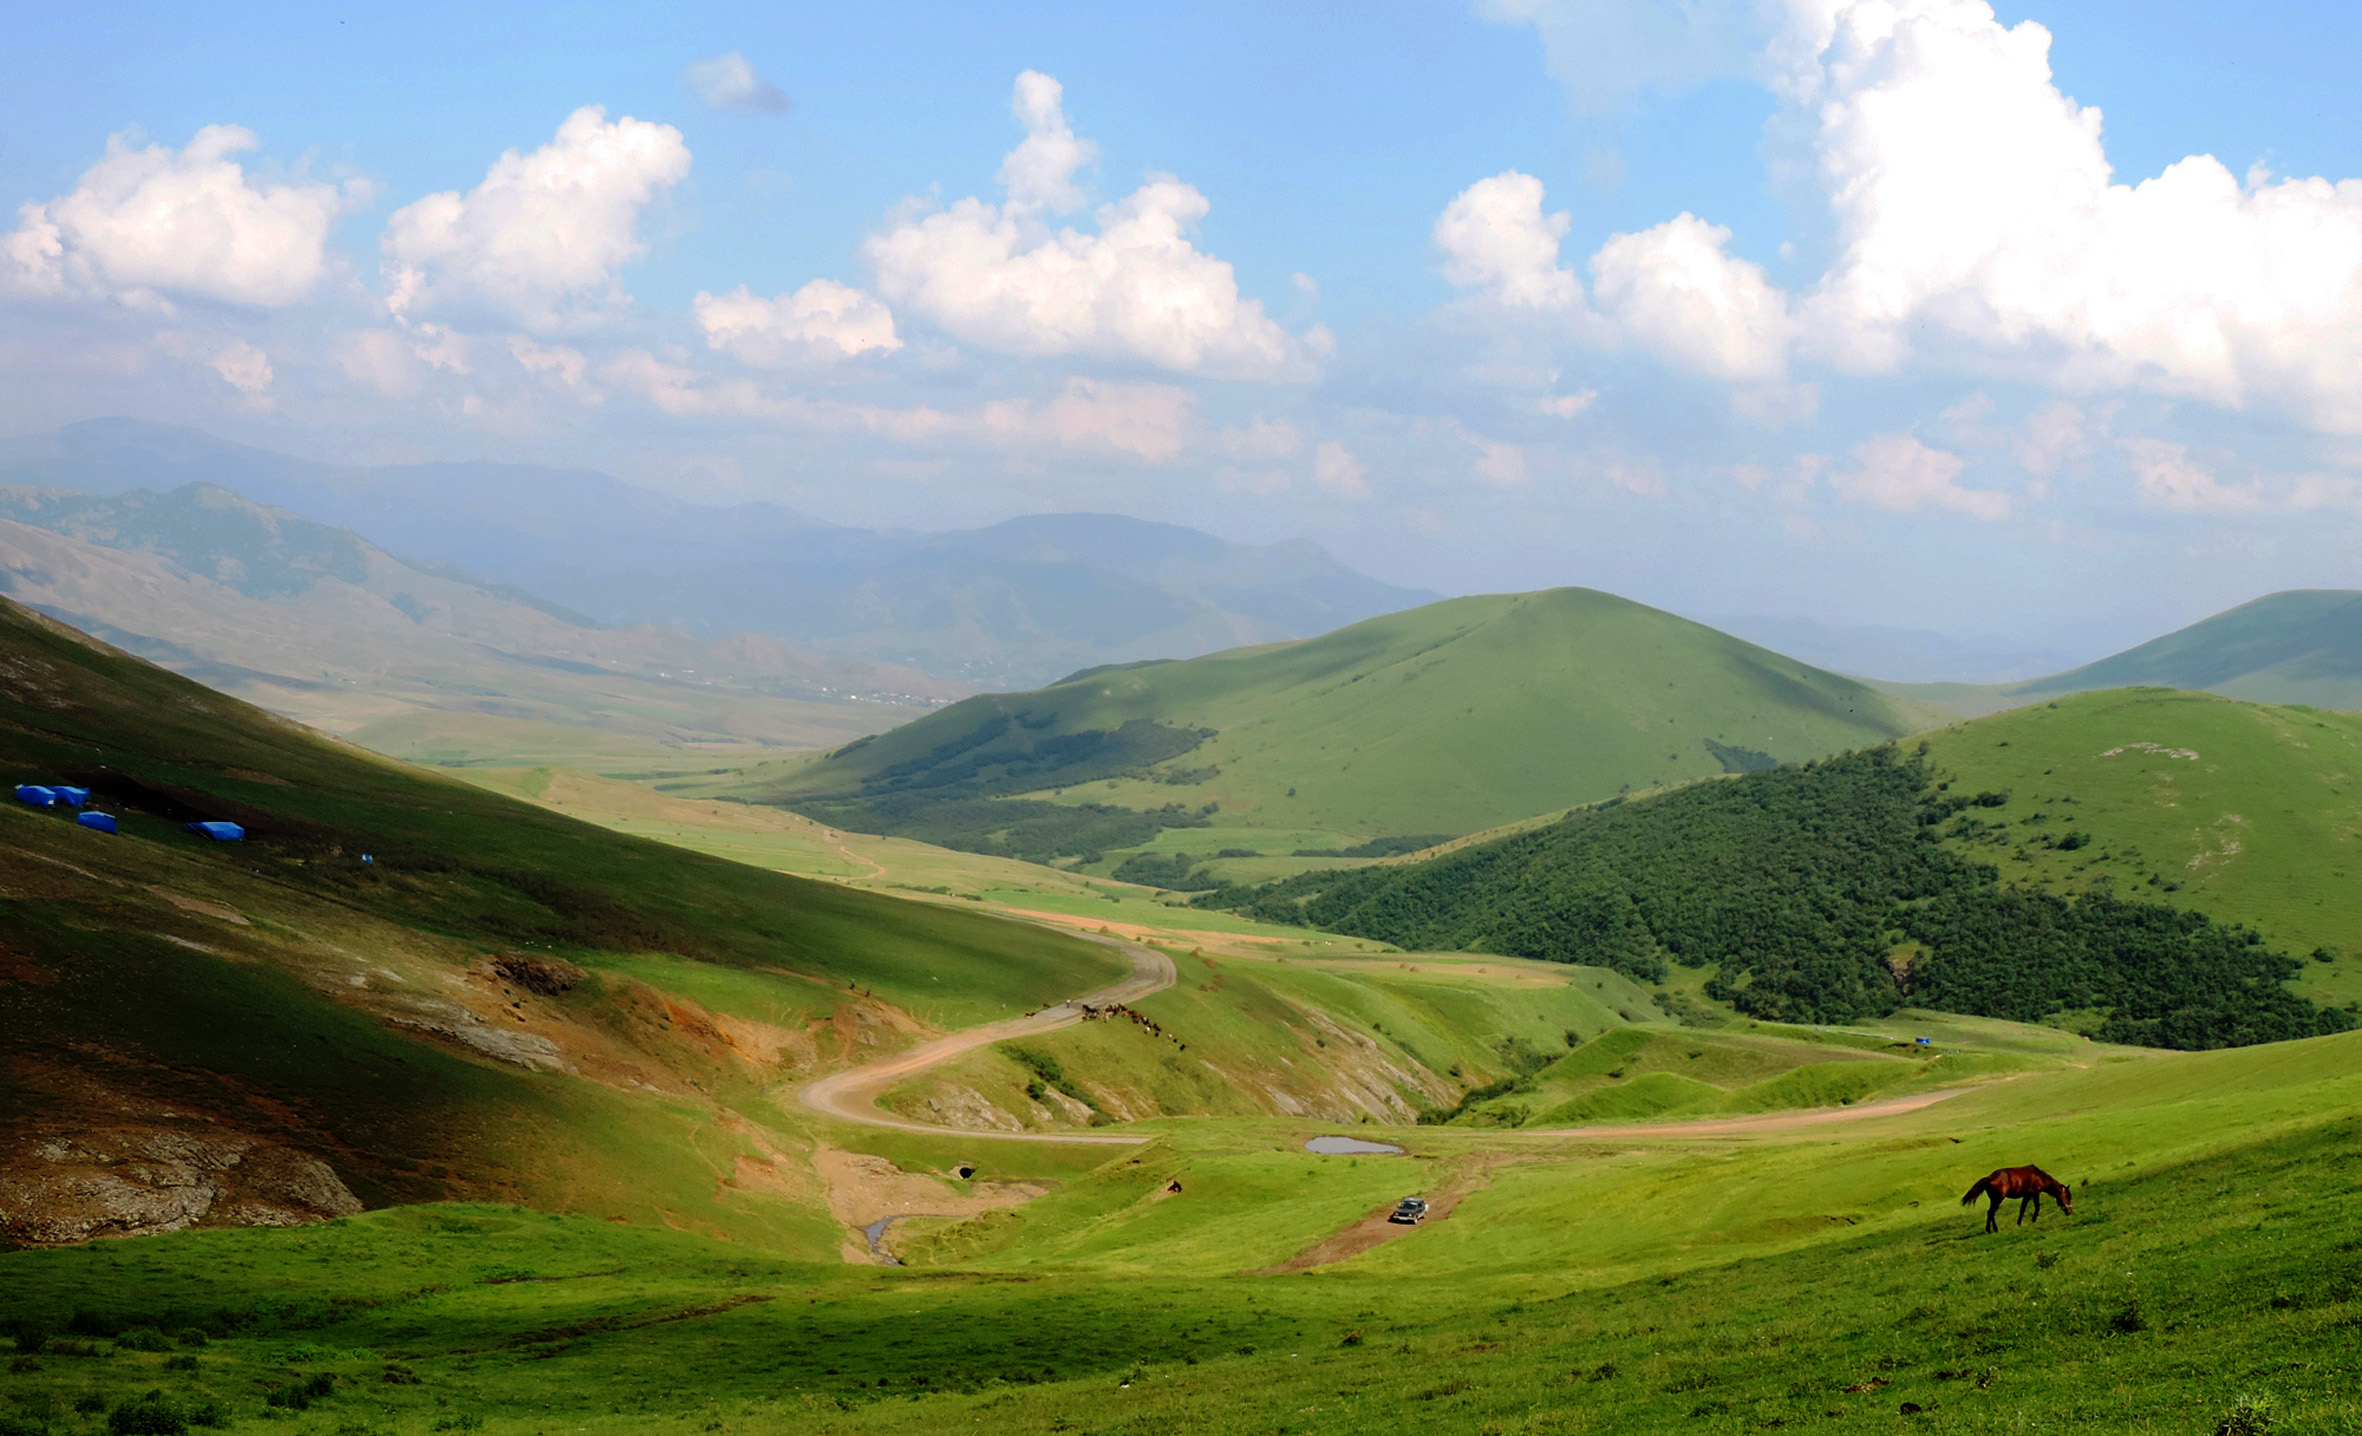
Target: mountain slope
[(2241, 810), (1444, 719), (496, 1002), (317, 623), (1826, 894), (1017, 603), (2301, 646)]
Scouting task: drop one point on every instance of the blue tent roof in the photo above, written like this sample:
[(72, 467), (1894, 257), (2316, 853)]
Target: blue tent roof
[(36, 796), (72, 797), (104, 822), (219, 832)]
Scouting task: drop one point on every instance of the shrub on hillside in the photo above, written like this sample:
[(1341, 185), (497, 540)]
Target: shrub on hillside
[(299, 1394), (156, 1414)]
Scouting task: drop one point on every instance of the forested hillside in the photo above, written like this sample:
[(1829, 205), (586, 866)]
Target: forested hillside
[(1820, 893)]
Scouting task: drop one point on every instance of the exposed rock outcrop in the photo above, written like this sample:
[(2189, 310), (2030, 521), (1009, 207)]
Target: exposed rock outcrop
[(138, 1180)]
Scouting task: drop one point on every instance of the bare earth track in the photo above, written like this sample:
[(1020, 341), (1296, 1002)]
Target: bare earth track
[(1767, 1122), (852, 1095)]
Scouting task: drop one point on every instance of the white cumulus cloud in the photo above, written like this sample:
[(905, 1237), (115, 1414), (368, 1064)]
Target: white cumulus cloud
[(1901, 475), (1039, 173), (1335, 470), (144, 224), (728, 82), (999, 277), (1976, 221), (544, 236), (1499, 463), (244, 367), (2170, 479), (1495, 238), (1673, 290), (824, 320), (2008, 236)]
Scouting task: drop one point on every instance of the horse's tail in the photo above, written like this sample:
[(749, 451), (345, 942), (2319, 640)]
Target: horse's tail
[(1976, 1191)]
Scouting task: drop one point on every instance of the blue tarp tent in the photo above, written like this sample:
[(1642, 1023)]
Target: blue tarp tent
[(35, 796), (219, 832), (104, 822), (72, 797)]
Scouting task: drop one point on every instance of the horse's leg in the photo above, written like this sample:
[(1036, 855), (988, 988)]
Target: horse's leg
[(1992, 1209), (2038, 1209)]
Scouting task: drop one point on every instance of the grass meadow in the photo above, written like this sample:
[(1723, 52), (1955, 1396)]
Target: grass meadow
[(1823, 1278)]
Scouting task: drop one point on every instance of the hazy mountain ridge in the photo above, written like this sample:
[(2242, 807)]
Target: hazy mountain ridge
[(2297, 646), (1883, 653), (317, 623), (1017, 603)]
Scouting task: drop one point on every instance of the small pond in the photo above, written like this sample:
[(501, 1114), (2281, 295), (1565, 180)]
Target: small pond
[(1351, 1146)]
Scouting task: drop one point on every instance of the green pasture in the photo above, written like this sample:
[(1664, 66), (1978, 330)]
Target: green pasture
[(1823, 1277)]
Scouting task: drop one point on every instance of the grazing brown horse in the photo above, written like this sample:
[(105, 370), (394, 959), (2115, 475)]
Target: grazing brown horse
[(2028, 1185)]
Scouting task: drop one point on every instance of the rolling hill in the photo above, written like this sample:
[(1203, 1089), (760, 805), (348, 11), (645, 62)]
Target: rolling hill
[(2246, 811), (1437, 721), (1822, 894), (319, 624), (2146, 866), (1013, 604), (550, 1064), (401, 988), (2302, 646)]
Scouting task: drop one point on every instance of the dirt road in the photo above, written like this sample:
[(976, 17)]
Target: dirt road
[(853, 1094), (1767, 1122)]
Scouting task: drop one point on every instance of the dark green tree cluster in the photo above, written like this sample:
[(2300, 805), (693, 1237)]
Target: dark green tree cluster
[(1174, 872), (1797, 885), (1393, 847), (2165, 977)]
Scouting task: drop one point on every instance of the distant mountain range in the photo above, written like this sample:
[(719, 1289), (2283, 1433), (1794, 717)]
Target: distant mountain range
[(1894, 655), (317, 623), (1012, 605)]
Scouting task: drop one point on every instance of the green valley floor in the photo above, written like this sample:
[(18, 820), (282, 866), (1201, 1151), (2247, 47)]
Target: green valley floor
[(1772, 1277)]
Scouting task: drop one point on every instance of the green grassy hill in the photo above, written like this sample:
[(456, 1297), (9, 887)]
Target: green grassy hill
[(1433, 722), (1828, 892), (2244, 811), (501, 1002), (2303, 646)]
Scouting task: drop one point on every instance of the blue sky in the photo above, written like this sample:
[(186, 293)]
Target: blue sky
[(1838, 319)]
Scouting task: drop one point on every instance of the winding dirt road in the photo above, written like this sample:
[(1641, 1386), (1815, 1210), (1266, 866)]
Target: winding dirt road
[(852, 1095)]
